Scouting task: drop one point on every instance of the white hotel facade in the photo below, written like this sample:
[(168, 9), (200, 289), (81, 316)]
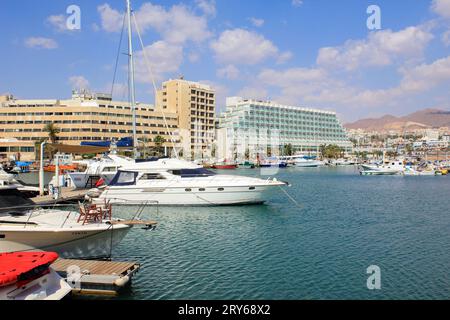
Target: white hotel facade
[(253, 127)]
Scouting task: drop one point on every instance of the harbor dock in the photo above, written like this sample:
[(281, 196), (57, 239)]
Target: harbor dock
[(98, 278), (68, 195)]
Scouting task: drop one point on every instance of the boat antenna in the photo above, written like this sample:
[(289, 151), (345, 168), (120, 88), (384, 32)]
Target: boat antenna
[(131, 78)]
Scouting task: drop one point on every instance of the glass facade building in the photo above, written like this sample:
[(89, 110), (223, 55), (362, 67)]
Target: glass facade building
[(304, 129)]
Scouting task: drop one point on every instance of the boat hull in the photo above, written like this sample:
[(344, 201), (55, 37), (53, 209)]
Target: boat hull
[(180, 197), (68, 243)]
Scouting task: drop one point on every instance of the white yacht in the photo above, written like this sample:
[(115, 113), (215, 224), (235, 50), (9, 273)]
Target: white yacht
[(105, 168), (172, 182), (303, 162), (390, 168)]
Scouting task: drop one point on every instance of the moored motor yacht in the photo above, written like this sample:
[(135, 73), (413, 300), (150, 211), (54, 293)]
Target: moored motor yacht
[(394, 167), (308, 162), (61, 231), (87, 231), (105, 169), (173, 182)]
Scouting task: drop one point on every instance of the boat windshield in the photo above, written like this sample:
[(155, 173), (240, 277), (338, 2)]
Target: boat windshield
[(193, 173), (124, 178), (13, 198)]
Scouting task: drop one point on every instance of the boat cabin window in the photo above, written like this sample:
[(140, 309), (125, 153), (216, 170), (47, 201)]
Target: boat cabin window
[(124, 178), (109, 169), (152, 176), (193, 173)]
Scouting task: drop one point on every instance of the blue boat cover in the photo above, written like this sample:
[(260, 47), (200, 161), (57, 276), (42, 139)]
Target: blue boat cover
[(122, 143)]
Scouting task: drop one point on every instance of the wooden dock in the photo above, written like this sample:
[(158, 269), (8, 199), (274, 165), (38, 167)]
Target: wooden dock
[(97, 277), (68, 195)]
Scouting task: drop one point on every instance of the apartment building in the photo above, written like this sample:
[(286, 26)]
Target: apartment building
[(84, 117), (195, 105)]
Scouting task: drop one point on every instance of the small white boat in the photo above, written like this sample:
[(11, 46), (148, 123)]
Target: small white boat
[(105, 169), (389, 168), (308, 163)]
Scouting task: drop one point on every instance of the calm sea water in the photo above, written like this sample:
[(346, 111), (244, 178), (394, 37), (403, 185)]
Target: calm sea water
[(318, 250)]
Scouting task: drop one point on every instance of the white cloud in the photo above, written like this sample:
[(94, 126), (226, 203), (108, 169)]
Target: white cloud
[(58, 22), (176, 25), (254, 92), (41, 43), (441, 7), (241, 46), (446, 38), (316, 87), (285, 57), (194, 57), (164, 58), (297, 3), (79, 83), (381, 48), (207, 6), (228, 72), (111, 19), (257, 22)]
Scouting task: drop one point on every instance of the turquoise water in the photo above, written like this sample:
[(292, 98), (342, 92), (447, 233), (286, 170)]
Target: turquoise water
[(318, 250)]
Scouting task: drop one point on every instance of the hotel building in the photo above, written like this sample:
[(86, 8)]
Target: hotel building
[(250, 126), (195, 105), (84, 117)]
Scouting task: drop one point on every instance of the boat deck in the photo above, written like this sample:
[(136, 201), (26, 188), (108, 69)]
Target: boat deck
[(97, 277)]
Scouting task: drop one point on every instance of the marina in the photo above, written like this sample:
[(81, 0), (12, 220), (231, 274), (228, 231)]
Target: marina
[(207, 194)]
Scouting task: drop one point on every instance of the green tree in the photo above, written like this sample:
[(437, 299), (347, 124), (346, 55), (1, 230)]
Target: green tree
[(52, 132), (159, 141), (288, 150)]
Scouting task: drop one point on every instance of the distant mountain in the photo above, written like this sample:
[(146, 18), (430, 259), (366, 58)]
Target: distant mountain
[(428, 118)]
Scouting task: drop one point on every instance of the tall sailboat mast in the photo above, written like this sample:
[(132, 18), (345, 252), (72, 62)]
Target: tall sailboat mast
[(131, 79)]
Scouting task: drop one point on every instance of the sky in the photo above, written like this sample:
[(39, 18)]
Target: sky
[(310, 53)]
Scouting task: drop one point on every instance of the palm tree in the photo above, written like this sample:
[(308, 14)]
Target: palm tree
[(52, 131), (159, 141)]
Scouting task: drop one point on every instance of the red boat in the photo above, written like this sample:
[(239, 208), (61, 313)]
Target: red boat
[(62, 168), (225, 166), (24, 266), (28, 276)]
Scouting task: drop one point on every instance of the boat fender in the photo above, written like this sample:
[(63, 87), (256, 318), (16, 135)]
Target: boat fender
[(122, 282)]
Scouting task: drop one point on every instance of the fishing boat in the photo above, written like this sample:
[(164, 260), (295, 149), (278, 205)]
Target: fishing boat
[(28, 276), (173, 182)]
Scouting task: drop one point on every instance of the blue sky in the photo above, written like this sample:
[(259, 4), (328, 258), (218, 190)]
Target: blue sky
[(316, 53)]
